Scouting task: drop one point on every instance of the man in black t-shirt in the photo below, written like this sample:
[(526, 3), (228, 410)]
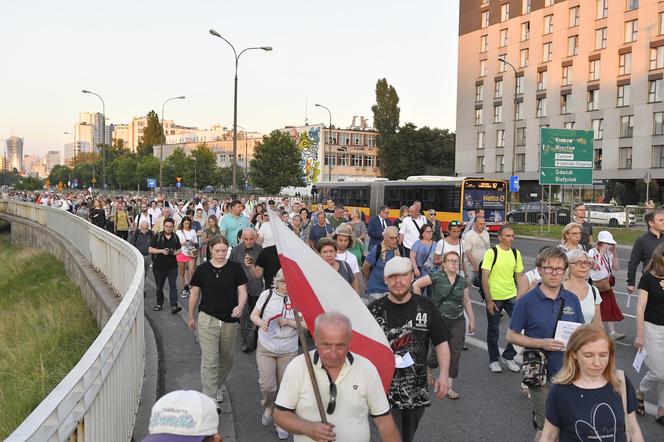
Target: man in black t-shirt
[(222, 288), (163, 248), (410, 322), (266, 265), (579, 212)]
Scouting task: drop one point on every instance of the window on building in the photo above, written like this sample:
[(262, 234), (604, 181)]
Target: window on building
[(479, 165), (519, 84), (542, 80), (221, 158), (655, 90), (625, 158), (520, 136), (485, 19), (498, 89), (345, 139), (330, 160), (357, 139), (505, 12), (540, 107), (569, 125), (478, 117), (525, 31), (518, 111), (657, 57), (484, 2), (479, 92), (626, 126), (523, 57), (574, 16), (572, 45), (660, 23), (344, 159), (565, 104), (593, 100), (548, 3), (500, 138), (525, 7), (484, 43), (601, 9), (657, 156), (623, 95), (625, 64), (502, 66), (593, 70), (597, 159), (498, 113), (500, 163), (370, 161), (632, 4), (357, 160), (658, 123), (548, 24), (333, 138), (601, 35), (240, 158), (371, 141), (483, 67), (520, 162), (481, 143), (503, 38), (566, 75), (547, 52), (598, 128), (631, 30)]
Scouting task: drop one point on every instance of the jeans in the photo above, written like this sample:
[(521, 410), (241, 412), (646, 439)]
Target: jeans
[(407, 421), (160, 278), (217, 340), (493, 330)]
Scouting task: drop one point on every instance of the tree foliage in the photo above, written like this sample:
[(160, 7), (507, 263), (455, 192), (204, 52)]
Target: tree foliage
[(29, 183), (386, 114), (153, 134), (276, 163)]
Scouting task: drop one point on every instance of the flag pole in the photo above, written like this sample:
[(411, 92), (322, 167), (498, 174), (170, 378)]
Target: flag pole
[(310, 367)]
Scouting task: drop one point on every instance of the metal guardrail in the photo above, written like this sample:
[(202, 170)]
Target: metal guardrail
[(98, 399)]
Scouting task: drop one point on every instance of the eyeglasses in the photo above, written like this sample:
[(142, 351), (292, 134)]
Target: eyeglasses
[(582, 263), (454, 224), (452, 261), (432, 213), (553, 270)]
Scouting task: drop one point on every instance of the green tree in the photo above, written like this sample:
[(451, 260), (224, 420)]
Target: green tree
[(152, 135), (125, 172), (202, 167), (148, 167), (276, 163), (29, 183), (386, 120), (175, 165)]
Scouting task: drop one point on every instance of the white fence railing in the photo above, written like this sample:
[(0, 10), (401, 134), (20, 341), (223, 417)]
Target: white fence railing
[(99, 397)]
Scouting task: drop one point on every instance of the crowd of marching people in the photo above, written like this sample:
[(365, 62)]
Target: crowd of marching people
[(221, 257)]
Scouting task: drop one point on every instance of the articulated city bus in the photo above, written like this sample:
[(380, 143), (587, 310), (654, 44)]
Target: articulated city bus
[(453, 198)]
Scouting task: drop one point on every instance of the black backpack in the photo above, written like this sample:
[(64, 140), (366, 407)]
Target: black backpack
[(478, 278)]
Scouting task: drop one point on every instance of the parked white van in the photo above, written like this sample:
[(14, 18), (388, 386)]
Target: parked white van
[(608, 214)]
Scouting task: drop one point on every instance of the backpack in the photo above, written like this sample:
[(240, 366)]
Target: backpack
[(478, 278)]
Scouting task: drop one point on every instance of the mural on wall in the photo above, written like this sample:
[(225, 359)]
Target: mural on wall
[(308, 142)]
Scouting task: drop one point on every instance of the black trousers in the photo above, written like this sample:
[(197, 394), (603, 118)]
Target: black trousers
[(160, 277), (407, 421)]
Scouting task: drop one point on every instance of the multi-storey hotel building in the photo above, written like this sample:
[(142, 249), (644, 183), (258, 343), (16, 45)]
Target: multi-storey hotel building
[(591, 65)]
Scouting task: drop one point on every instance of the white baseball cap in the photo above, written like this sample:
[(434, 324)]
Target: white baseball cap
[(183, 416), (606, 237)]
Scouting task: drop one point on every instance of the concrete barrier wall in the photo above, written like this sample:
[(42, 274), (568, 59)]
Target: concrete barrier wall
[(99, 397)]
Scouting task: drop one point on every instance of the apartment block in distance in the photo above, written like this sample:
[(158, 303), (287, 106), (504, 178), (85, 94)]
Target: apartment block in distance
[(588, 65)]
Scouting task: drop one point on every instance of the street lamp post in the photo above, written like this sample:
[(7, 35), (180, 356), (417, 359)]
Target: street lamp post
[(75, 146), (103, 134), (161, 148), (512, 169), (237, 58), (329, 144), (246, 159)]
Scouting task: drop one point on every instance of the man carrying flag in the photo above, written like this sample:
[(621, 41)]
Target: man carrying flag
[(410, 322)]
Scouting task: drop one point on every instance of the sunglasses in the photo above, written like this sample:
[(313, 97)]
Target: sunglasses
[(454, 224), (332, 405)]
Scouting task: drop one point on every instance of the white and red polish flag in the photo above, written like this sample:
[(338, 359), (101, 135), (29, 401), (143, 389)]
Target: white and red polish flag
[(314, 287)]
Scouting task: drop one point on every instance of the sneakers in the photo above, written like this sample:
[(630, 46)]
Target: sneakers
[(220, 395), (282, 434), (616, 336), (185, 291), (513, 366), (175, 309), (156, 308), (495, 367), (266, 419)]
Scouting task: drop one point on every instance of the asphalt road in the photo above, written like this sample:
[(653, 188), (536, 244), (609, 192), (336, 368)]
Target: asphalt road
[(491, 407)]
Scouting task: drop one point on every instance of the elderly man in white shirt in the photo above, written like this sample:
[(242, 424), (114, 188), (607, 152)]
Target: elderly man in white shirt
[(409, 232)]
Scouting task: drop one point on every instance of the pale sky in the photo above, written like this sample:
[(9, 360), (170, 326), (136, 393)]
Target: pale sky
[(135, 54)]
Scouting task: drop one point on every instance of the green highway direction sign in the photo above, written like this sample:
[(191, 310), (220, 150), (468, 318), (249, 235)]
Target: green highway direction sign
[(566, 157)]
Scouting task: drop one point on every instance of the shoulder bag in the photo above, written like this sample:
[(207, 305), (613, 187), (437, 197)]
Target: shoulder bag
[(533, 370)]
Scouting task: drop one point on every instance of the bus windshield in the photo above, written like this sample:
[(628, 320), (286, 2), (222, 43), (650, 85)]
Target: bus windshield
[(486, 194)]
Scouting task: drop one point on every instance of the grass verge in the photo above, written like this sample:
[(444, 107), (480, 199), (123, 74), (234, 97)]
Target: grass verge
[(45, 328), (625, 237)]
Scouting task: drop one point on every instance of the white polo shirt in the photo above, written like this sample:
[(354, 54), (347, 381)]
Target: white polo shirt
[(350, 259), (359, 394), (410, 231)]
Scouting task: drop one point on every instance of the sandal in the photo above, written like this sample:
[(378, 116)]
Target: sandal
[(641, 406), (157, 308), (454, 395)]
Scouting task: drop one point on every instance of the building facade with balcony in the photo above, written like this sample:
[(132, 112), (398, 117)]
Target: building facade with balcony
[(594, 65)]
